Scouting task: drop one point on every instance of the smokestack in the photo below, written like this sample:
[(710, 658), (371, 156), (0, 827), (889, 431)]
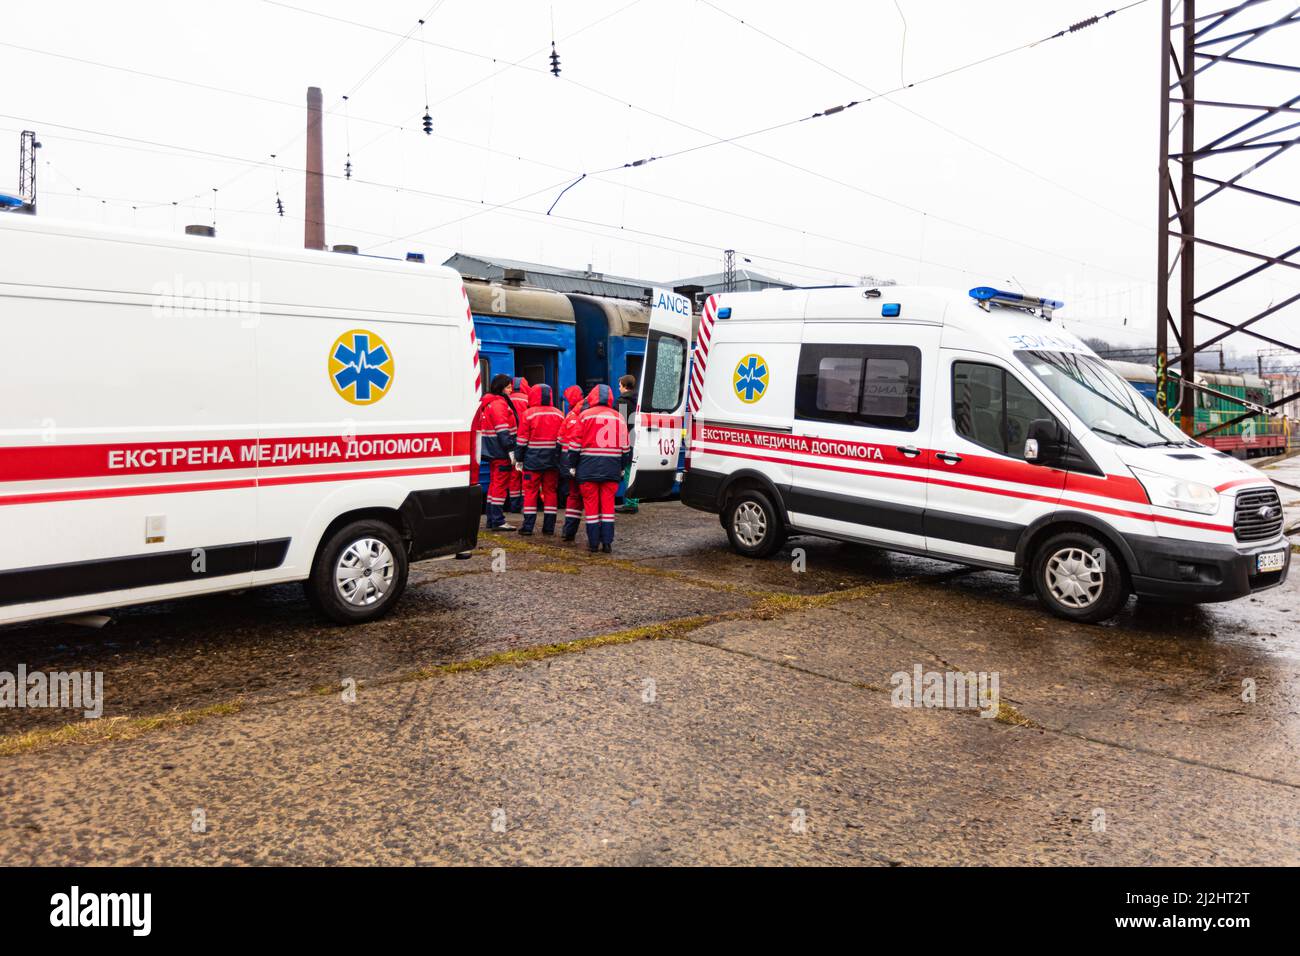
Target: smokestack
[(314, 207)]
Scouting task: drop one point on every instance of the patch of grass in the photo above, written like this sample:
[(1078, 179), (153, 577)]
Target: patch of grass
[(111, 728), (650, 632), (775, 604), (1007, 714)]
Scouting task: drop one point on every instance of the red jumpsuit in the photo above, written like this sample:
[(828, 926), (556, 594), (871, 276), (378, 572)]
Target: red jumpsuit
[(598, 452), (570, 493), (494, 424), (537, 451), (519, 398)]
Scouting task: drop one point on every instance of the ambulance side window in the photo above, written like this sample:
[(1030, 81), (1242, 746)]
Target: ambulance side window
[(992, 408), (665, 364), (877, 386)]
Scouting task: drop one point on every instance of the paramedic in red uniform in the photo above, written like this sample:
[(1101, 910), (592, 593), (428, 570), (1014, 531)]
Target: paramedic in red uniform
[(496, 426), (597, 454), (518, 395), (569, 493), (537, 450)]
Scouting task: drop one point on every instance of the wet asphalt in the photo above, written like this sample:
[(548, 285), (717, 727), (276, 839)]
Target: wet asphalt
[(715, 710)]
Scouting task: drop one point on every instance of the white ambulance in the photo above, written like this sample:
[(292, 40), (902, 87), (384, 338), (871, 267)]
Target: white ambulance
[(181, 415), (967, 427)]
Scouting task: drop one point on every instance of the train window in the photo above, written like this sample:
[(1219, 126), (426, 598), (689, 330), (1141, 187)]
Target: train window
[(485, 373), (666, 364)]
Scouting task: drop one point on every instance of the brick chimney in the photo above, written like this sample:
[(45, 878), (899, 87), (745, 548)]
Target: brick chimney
[(314, 205)]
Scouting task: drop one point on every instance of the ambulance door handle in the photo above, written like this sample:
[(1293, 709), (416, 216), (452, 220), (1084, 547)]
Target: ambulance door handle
[(948, 458), (908, 451)]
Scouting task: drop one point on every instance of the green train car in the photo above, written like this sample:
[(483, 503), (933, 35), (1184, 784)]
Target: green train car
[(1257, 436)]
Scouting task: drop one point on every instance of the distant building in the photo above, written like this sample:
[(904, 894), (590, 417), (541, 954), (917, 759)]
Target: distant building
[(747, 280)]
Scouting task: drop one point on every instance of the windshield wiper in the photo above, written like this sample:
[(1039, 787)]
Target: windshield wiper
[(1124, 438)]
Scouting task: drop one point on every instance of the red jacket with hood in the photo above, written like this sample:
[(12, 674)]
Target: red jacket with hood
[(598, 446), (539, 431), (519, 397), (495, 426)]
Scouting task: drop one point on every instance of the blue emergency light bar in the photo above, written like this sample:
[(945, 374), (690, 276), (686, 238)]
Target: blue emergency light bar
[(986, 295)]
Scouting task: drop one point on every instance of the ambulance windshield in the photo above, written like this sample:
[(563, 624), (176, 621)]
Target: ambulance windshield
[(1103, 401)]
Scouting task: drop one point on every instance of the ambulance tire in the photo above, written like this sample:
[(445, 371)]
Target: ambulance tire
[(753, 524), (1080, 577), (373, 548)]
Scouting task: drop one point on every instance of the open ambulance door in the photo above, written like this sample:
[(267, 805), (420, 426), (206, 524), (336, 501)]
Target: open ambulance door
[(661, 402)]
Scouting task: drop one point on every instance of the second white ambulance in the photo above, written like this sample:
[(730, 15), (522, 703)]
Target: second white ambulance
[(968, 427)]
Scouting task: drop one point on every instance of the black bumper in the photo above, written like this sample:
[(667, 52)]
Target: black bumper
[(443, 521), (702, 490), (1202, 573)]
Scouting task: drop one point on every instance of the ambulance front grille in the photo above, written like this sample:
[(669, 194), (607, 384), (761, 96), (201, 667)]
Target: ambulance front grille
[(1258, 516)]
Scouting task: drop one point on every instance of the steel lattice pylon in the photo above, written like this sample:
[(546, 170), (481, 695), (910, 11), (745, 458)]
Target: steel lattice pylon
[(1191, 45)]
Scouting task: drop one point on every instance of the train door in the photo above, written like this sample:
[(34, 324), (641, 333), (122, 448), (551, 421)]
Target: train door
[(661, 401), (536, 365)]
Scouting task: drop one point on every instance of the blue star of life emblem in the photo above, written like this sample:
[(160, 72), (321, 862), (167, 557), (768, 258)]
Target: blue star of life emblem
[(751, 378), (361, 366)]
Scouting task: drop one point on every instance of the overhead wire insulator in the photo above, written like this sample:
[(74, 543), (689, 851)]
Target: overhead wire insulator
[(555, 60), (428, 122), (279, 204), (347, 167)]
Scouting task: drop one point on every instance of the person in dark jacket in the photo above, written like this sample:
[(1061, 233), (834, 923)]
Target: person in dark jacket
[(598, 451), (538, 452), (627, 395), (518, 395), (496, 428), (568, 492)]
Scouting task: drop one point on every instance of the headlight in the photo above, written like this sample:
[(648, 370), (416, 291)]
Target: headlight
[(1167, 492)]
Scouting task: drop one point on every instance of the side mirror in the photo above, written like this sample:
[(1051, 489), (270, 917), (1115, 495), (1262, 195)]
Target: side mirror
[(1046, 443)]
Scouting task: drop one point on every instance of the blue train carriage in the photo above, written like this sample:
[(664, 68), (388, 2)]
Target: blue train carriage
[(523, 331), (610, 337)]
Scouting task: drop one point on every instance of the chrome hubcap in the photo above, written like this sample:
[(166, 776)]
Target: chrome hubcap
[(364, 572), (751, 524), (1075, 577)]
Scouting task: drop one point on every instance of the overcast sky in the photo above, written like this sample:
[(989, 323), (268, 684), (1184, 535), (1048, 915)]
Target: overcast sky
[(1035, 169)]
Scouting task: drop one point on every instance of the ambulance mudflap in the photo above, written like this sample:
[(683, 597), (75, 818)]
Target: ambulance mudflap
[(661, 402)]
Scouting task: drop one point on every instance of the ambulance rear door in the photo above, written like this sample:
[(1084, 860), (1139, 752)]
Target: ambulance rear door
[(661, 401)]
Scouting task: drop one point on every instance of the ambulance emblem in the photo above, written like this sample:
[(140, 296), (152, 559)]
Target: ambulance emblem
[(750, 380), (360, 367)]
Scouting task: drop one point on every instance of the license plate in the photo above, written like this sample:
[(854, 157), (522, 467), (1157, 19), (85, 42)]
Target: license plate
[(1272, 561)]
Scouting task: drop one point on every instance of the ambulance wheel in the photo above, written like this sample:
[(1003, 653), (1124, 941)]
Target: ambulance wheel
[(753, 524), (359, 573), (1079, 577)]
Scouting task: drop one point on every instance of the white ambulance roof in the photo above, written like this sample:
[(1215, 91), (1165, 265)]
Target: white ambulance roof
[(924, 305), (59, 254)]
